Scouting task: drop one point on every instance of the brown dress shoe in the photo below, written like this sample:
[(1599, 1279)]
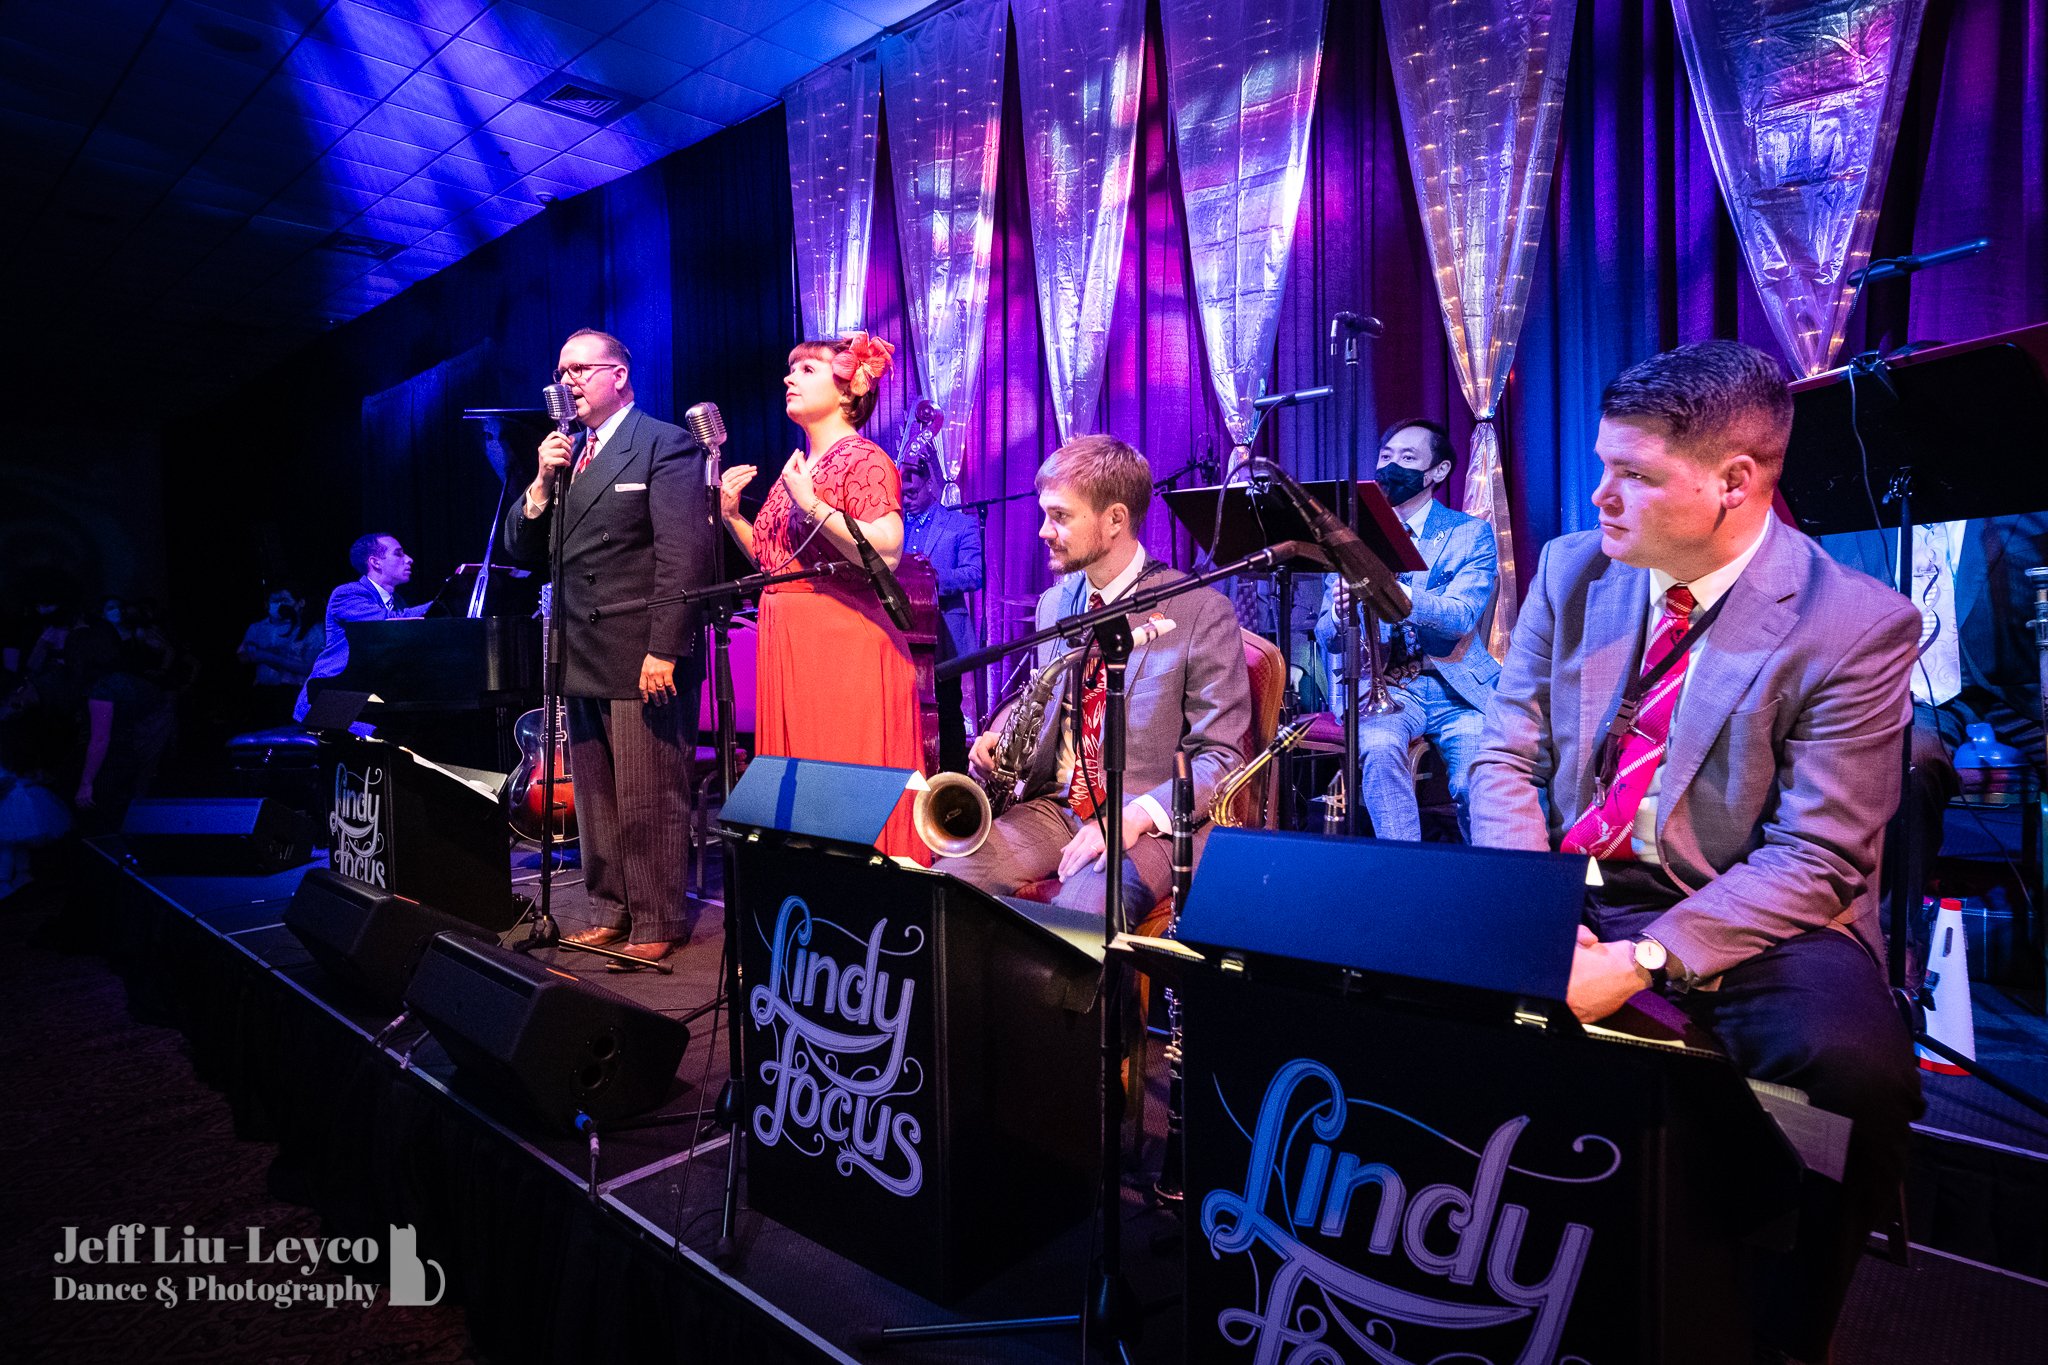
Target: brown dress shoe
[(597, 936), (642, 952)]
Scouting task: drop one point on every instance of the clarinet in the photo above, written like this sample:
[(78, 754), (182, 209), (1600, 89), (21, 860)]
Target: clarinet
[(1171, 1186)]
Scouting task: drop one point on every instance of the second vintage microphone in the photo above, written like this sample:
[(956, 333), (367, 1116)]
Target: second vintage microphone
[(707, 429)]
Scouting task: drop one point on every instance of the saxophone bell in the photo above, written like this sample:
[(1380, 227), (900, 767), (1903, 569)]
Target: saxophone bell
[(952, 815)]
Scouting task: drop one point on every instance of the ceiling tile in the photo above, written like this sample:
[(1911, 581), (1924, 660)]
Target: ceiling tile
[(751, 15), (821, 31), (445, 99), (616, 148), (886, 13), (471, 174), (285, 97), (669, 127), (627, 69), (601, 15), (361, 176), (375, 33), (482, 67), (342, 69), (681, 35), (761, 65), (411, 126), (391, 155), (529, 34), (292, 14), (508, 152), (720, 101), (237, 37), (451, 199), (443, 16), (540, 127)]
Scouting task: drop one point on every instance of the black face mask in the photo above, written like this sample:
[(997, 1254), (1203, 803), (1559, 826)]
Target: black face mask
[(1398, 482)]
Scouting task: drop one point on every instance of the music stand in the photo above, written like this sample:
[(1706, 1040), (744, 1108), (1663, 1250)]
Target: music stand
[(1867, 453), (1239, 519)]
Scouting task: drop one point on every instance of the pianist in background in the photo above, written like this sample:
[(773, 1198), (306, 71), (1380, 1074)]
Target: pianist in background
[(637, 526), (385, 568), (1737, 824)]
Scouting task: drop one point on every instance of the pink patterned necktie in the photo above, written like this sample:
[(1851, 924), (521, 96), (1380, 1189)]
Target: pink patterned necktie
[(589, 453), (1085, 791), (1603, 831)]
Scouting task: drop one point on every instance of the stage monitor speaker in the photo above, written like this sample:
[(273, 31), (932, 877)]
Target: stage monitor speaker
[(367, 939), (236, 836), (560, 1045)]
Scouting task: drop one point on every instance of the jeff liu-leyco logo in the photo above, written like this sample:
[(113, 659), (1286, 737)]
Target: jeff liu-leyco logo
[(315, 1271)]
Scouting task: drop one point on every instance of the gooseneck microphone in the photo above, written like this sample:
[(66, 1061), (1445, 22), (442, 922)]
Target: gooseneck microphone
[(894, 600), (1897, 266), (561, 406), (707, 428)]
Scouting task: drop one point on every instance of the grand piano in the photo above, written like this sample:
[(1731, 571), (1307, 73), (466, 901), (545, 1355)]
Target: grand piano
[(451, 683)]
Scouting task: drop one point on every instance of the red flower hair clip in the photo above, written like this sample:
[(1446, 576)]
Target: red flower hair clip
[(864, 360)]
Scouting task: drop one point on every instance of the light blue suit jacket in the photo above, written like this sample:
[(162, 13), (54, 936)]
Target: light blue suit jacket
[(1451, 597)]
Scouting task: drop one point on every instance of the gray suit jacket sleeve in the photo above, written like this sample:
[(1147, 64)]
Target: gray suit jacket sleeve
[(1837, 784), (1517, 756)]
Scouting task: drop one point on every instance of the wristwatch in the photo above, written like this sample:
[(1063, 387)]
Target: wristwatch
[(1651, 957)]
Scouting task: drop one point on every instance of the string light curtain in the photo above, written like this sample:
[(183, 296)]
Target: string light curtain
[(1480, 84), (831, 117), (1241, 87), (944, 84), (1080, 63), (1801, 108)]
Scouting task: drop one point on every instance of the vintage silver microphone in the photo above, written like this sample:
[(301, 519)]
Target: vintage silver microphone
[(707, 429), (561, 406)]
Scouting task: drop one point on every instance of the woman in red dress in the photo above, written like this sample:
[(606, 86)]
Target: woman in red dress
[(836, 678)]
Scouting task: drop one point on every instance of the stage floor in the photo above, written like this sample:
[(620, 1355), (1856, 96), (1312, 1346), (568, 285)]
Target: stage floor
[(658, 1190)]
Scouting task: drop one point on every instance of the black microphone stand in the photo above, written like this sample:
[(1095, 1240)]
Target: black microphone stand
[(1110, 1314), (546, 932)]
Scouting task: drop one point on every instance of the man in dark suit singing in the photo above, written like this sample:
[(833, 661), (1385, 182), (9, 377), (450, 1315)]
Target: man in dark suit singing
[(1188, 687), (385, 568), (1738, 823), (636, 523)]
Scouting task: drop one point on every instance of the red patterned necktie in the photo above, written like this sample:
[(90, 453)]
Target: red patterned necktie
[(1085, 790), (1603, 831), (589, 453)]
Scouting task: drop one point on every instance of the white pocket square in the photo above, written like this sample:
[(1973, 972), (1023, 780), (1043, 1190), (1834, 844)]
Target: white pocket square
[(629, 488)]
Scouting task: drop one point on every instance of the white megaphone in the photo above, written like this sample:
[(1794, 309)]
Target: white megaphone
[(1947, 992)]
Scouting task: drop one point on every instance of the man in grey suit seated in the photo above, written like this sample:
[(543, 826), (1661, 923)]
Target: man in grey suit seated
[(385, 568), (1738, 822), (1446, 701), (1188, 687)]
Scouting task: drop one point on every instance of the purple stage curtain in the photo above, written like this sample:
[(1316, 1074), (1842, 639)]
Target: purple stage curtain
[(1801, 107), (1481, 87), (1637, 254), (943, 86), (834, 123), (1079, 66)]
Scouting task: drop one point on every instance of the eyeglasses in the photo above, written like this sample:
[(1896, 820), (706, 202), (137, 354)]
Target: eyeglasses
[(581, 372)]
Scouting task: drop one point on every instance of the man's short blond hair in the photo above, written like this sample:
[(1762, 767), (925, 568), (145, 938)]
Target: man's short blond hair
[(1103, 470)]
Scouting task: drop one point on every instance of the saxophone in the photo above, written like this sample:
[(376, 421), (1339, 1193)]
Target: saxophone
[(1220, 812), (1027, 717)]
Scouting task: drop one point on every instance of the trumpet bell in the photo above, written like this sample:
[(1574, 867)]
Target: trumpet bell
[(952, 815)]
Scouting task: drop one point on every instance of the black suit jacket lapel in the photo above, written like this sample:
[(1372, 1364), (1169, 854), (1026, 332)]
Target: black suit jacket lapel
[(612, 456)]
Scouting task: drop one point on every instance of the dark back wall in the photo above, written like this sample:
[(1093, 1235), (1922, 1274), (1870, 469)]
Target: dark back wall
[(688, 262)]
